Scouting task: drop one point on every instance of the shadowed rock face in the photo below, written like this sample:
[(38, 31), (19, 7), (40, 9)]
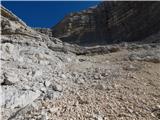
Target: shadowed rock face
[(110, 22)]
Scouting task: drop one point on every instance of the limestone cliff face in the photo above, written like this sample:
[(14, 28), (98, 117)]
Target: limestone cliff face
[(110, 22)]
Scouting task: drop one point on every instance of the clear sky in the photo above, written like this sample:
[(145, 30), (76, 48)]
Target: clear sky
[(45, 13)]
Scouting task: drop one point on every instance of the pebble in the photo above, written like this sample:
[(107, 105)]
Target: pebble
[(100, 86), (63, 76), (53, 109), (97, 117), (57, 87), (44, 115), (47, 83), (43, 89), (96, 77)]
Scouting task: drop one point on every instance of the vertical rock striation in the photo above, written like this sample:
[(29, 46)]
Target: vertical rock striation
[(110, 22)]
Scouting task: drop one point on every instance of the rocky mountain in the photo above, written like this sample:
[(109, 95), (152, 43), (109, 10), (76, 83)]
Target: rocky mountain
[(44, 78), (111, 22)]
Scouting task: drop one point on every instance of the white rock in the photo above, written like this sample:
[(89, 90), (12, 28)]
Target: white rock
[(44, 116), (44, 62), (8, 47), (63, 76), (26, 87), (96, 76), (35, 105), (69, 59), (51, 94), (97, 117), (100, 86), (53, 109), (20, 59), (57, 87), (43, 89), (1, 77), (9, 77), (15, 98), (47, 83), (80, 81), (37, 73)]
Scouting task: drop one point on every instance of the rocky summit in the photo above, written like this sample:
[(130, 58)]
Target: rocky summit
[(45, 77)]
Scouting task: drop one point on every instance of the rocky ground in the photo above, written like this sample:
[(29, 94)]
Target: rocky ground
[(104, 87), (123, 85), (43, 78)]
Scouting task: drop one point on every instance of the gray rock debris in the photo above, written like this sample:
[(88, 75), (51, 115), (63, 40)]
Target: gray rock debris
[(9, 77), (57, 87), (14, 98), (148, 56), (28, 65)]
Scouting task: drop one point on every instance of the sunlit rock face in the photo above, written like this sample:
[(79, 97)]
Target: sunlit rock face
[(110, 22), (27, 61)]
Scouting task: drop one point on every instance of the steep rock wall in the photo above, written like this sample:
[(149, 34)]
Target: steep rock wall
[(110, 22)]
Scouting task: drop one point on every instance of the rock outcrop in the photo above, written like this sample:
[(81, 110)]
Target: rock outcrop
[(27, 62), (111, 22), (46, 31)]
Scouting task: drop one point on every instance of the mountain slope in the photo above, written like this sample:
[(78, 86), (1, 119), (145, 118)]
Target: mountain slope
[(29, 65), (43, 78), (111, 22)]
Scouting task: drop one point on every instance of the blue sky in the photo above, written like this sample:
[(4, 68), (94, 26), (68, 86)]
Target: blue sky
[(45, 13)]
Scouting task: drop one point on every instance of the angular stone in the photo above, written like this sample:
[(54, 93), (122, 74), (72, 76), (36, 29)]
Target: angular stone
[(8, 47), (47, 83), (9, 78), (14, 98), (37, 73), (57, 87)]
